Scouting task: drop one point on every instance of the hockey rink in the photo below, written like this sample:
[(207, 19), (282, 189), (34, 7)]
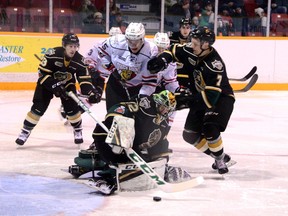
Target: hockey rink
[(32, 182)]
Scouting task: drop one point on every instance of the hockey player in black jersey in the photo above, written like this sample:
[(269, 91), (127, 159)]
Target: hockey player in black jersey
[(58, 72), (211, 101), (181, 37)]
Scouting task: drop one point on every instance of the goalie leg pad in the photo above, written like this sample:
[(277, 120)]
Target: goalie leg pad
[(130, 178)]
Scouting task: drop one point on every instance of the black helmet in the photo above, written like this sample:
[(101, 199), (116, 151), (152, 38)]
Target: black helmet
[(204, 34), (70, 38), (185, 21)]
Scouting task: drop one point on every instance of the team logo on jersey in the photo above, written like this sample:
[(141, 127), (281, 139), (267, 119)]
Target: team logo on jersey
[(62, 76), (50, 52), (153, 139), (127, 74), (191, 61), (120, 110), (217, 64), (145, 103)]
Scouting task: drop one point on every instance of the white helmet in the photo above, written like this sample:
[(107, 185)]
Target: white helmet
[(114, 31), (162, 40), (135, 31)]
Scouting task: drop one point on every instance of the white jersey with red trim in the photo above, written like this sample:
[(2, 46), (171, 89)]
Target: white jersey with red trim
[(166, 79), (92, 59), (130, 66)]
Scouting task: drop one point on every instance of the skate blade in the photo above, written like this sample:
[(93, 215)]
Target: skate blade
[(231, 163)]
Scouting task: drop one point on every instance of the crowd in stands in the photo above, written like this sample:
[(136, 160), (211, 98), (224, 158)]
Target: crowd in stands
[(234, 17)]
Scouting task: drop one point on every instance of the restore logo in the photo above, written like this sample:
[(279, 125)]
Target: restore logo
[(8, 58)]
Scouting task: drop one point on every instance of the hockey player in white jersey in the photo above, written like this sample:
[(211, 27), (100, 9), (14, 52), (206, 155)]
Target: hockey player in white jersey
[(126, 58), (166, 79), (92, 58)]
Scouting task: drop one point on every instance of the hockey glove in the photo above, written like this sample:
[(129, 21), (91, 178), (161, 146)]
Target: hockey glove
[(157, 64), (59, 90), (183, 97), (95, 96)]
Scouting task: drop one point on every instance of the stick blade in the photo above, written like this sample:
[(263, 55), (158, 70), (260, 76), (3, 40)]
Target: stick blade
[(250, 74), (182, 186), (251, 83)]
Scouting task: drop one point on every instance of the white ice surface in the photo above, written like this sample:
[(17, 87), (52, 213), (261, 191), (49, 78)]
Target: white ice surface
[(32, 183)]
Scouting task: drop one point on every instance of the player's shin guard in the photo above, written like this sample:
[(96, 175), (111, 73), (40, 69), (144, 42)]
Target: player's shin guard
[(217, 152), (197, 140), (76, 123)]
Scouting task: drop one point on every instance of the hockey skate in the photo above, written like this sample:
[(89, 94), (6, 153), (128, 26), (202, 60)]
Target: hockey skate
[(102, 186), (23, 136), (221, 165), (227, 160), (78, 138)]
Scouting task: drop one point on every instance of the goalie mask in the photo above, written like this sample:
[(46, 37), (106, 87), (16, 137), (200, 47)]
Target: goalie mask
[(165, 103)]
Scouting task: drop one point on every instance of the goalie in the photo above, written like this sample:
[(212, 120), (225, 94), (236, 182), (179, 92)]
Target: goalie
[(141, 124)]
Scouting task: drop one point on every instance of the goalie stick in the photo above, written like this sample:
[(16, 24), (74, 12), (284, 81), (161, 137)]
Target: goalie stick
[(141, 164), (249, 85), (250, 74)]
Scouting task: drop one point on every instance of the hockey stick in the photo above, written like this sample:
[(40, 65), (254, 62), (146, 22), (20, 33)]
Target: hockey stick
[(36, 56), (141, 164), (253, 71), (249, 85)]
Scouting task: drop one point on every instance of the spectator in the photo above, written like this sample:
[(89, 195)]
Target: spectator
[(225, 22), (183, 7), (87, 9), (240, 20), (123, 26), (113, 8), (3, 15), (116, 19), (94, 25), (195, 23), (260, 23), (207, 16)]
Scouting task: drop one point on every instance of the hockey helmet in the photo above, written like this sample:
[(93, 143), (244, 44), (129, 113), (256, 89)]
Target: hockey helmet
[(185, 21), (135, 31), (204, 34), (70, 38), (165, 103), (114, 31), (162, 40)]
